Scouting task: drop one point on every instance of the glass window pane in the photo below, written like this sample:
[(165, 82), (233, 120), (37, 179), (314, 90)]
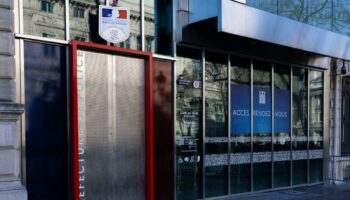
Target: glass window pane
[(262, 133), (281, 126), (216, 135), (44, 18), (299, 132), (341, 13), (240, 125), (316, 110), (299, 172), (158, 26), (188, 124), (46, 117), (316, 170), (316, 126), (163, 129), (266, 5), (240, 178), (83, 20), (262, 176), (281, 174), (319, 13)]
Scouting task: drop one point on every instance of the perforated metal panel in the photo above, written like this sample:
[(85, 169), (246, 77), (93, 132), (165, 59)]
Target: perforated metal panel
[(111, 127)]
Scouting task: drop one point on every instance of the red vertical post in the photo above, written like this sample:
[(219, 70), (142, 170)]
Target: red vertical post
[(149, 131), (74, 120)]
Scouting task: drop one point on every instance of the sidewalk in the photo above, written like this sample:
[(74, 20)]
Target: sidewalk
[(320, 192)]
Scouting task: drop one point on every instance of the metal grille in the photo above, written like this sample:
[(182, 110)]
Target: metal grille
[(130, 128), (345, 147), (114, 125), (96, 156)]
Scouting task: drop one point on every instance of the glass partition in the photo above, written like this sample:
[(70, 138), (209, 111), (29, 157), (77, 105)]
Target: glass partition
[(331, 15), (83, 21), (281, 139), (216, 124), (240, 125), (158, 26), (189, 125), (316, 126), (262, 125), (46, 117), (44, 18), (300, 129)]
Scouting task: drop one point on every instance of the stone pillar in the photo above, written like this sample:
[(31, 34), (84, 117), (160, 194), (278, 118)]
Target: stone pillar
[(11, 187)]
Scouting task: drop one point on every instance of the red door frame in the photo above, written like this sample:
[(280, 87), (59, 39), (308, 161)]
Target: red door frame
[(147, 56)]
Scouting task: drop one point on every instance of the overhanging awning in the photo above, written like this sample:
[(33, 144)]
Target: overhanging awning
[(239, 19)]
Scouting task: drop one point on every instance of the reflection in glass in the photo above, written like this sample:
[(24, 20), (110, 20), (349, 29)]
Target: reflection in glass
[(281, 126), (316, 125), (262, 133), (299, 132), (299, 172), (316, 170), (216, 135), (46, 117), (44, 18), (266, 5), (188, 125), (319, 13), (158, 26), (281, 174), (83, 15), (316, 110), (240, 125), (331, 15), (299, 108)]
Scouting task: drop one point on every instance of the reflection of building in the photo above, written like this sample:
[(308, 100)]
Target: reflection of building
[(46, 18)]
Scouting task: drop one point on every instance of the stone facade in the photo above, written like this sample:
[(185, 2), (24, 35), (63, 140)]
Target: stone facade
[(11, 187)]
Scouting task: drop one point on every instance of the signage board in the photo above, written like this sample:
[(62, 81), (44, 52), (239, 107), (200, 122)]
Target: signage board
[(240, 110), (114, 23)]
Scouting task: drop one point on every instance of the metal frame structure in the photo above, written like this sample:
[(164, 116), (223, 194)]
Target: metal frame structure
[(77, 45)]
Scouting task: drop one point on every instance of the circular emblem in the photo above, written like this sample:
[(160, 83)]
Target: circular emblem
[(196, 84)]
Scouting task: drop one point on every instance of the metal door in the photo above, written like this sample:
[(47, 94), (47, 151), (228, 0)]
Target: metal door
[(111, 127)]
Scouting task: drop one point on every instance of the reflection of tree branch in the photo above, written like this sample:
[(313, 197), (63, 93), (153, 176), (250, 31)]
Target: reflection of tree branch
[(316, 11)]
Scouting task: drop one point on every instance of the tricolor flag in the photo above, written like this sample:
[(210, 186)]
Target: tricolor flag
[(122, 14)]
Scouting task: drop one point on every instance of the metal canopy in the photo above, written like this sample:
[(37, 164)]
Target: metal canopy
[(239, 19)]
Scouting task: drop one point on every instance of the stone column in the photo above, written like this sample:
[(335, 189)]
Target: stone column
[(11, 187)]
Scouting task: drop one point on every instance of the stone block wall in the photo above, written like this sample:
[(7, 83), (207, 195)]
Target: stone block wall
[(11, 187)]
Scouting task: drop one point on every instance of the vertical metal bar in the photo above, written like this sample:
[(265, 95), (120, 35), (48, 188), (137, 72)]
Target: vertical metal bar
[(174, 102), (291, 126), (173, 42), (203, 122), (325, 117), (69, 142), (308, 125), (142, 25), (174, 130), (107, 2), (20, 17), (66, 18), (251, 124), (229, 124), (272, 124), (23, 118)]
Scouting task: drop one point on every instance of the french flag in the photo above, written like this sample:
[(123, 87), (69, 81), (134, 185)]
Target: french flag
[(122, 14)]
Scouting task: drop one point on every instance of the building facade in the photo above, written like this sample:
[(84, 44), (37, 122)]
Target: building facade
[(204, 100)]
